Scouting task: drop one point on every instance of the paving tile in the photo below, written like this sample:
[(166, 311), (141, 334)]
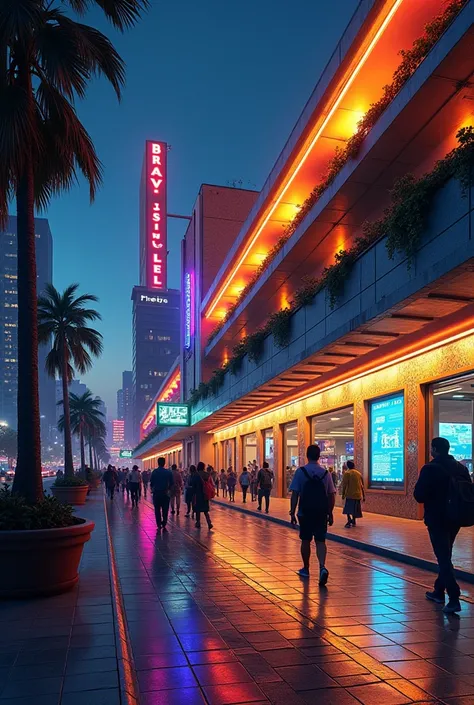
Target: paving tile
[(32, 688), (92, 697), (390, 653), (334, 696), (284, 657), (197, 658), (450, 686), (90, 681), (343, 668), (201, 642), (38, 700), (308, 677), (152, 661), (377, 693), (233, 694), (416, 669), (166, 679), (183, 696), (216, 674), (85, 666)]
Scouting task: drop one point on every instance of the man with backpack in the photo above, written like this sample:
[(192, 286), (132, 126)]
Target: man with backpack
[(313, 494), (264, 484), (444, 487)]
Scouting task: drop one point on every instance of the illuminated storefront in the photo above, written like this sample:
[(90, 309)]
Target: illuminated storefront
[(373, 361)]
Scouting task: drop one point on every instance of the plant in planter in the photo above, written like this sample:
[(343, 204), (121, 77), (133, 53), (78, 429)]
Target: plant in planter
[(40, 547), (47, 60), (70, 490)]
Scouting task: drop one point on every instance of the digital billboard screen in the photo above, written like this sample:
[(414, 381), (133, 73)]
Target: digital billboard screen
[(387, 442), (459, 436)]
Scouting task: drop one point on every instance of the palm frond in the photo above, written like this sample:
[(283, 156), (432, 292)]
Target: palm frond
[(121, 13)]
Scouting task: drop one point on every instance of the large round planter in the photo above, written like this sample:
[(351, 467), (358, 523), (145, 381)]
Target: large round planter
[(70, 495), (42, 561)]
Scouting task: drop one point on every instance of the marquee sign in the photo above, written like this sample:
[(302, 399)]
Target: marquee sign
[(172, 414), (126, 453), (155, 214)]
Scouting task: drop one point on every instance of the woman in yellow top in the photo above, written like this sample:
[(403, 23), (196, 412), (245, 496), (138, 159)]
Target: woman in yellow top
[(352, 492)]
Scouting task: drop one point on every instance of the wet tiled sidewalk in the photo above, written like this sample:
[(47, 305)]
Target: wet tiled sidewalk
[(221, 618), (61, 650), (405, 536)]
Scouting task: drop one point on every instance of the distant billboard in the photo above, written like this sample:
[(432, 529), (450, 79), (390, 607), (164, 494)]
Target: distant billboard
[(126, 453)]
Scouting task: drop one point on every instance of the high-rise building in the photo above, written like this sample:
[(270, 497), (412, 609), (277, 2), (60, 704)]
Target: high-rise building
[(9, 324), (120, 404), (156, 309), (118, 433)]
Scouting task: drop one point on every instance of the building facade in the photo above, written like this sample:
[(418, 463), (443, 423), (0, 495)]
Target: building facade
[(343, 312), (9, 325)]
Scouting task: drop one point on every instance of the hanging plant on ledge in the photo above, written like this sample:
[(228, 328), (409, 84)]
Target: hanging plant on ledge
[(411, 60)]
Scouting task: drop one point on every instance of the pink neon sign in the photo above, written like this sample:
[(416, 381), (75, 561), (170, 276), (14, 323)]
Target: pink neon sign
[(156, 187)]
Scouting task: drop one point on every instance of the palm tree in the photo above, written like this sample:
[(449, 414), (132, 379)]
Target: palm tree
[(63, 318), (47, 58), (86, 419)]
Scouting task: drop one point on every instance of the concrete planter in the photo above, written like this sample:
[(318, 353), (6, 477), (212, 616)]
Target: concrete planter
[(42, 561), (71, 495)]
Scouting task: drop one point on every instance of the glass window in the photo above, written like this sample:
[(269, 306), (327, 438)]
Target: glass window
[(249, 449), (290, 453), (269, 448), (334, 434), (387, 442), (453, 415), (228, 448)]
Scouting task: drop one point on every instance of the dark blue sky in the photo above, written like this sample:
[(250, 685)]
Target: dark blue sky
[(223, 84)]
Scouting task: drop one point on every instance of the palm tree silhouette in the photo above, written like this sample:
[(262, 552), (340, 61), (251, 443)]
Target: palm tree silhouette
[(63, 318), (47, 60), (86, 420)]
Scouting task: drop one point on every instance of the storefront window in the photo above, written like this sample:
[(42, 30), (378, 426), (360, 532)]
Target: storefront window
[(216, 456), (249, 449), (290, 453), (228, 449), (387, 442), (334, 434), (269, 448), (453, 415)]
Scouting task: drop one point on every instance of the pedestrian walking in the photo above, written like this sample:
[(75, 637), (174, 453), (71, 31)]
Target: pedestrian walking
[(145, 481), (313, 495), (189, 492), (436, 481), (135, 481), (161, 483), (177, 489), (253, 483), (231, 483), (353, 492), (264, 485), (215, 479), (223, 482), (203, 492), (123, 479), (110, 479), (244, 481)]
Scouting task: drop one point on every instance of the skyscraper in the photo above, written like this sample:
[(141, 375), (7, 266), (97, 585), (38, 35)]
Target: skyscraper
[(9, 324), (125, 405), (156, 309)]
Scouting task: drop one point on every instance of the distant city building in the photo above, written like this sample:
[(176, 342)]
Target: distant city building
[(120, 404), (124, 404), (9, 324), (118, 433)]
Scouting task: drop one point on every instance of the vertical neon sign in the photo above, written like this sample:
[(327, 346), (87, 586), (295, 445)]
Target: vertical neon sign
[(188, 309), (156, 187)]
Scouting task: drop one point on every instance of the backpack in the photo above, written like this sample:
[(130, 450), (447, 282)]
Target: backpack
[(208, 488), (460, 507), (267, 478), (313, 497)]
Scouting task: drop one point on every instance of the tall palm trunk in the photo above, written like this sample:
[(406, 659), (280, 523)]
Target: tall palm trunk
[(91, 459), (83, 452), (28, 480), (68, 461)]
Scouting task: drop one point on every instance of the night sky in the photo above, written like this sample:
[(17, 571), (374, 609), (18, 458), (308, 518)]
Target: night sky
[(223, 84)]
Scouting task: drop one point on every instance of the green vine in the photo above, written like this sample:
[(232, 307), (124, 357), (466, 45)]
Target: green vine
[(411, 60), (254, 344), (279, 324)]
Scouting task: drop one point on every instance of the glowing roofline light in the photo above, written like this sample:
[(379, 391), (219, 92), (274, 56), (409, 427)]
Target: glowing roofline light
[(163, 452), (342, 94), (353, 378)]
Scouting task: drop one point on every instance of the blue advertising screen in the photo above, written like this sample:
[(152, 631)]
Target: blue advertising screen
[(459, 436), (387, 442)]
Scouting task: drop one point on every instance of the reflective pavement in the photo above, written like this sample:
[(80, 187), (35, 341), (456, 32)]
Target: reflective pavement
[(222, 618)]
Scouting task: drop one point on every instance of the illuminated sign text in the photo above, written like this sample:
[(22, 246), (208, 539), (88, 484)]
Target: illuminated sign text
[(155, 217), (172, 414), (188, 309), (152, 299)]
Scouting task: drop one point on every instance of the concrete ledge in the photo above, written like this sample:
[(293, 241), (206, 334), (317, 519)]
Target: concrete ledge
[(415, 561)]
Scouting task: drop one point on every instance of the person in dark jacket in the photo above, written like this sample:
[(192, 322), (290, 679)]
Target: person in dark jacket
[(200, 501), (161, 482), (432, 490)]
